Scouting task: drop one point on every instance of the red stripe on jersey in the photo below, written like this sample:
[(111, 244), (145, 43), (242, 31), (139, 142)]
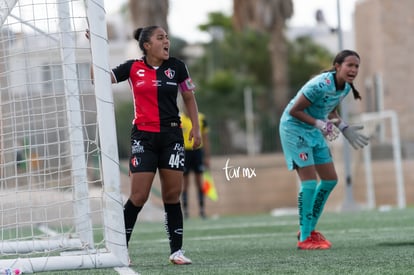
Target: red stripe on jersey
[(143, 81)]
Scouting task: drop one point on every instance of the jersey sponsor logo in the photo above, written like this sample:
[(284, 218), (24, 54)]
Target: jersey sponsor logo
[(171, 83), (135, 161), (137, 147), (303, 156), (156, 83), (179, 148), (140, 72), (169, 73), (301, 142), (139, 83)]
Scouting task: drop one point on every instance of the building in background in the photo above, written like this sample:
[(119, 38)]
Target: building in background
[(323, 34), (384, 39)]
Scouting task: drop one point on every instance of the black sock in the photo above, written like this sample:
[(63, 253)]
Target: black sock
[(201, 203), (174, 225), (130, 217)]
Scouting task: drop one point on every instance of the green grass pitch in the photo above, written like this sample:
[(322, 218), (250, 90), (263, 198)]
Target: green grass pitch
[(368, 242)]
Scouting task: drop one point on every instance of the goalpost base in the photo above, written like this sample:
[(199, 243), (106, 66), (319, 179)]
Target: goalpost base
[(69, 262)]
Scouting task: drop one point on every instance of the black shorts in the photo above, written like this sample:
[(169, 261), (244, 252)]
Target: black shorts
[(194, 161), (150, 150)]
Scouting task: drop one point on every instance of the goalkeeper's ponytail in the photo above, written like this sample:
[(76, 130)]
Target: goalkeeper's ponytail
[(355, 92)]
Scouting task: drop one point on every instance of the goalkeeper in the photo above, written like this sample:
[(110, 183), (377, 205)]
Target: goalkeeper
[(309, 120)]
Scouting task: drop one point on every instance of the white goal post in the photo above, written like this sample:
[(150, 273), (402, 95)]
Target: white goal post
[(60, 200), (383, 128)]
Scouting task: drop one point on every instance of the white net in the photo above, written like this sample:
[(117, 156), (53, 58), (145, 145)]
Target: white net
[(51, 197)]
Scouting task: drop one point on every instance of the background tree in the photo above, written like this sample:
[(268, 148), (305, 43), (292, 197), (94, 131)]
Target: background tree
[(149, 12), (305, 59), (232, 62), (269, 16)]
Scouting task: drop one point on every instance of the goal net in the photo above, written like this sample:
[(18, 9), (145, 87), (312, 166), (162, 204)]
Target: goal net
[(60, 201)]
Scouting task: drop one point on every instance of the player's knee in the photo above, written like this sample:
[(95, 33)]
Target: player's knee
[(139, 199), (171, 195)]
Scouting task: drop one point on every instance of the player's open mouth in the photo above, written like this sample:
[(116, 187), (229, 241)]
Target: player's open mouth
[(166, 50)]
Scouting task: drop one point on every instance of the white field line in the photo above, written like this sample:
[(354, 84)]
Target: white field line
[(125, 271), (229, 226)]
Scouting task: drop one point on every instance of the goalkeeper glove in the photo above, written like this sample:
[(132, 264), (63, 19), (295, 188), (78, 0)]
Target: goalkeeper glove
[(328, 128), (357, 140)]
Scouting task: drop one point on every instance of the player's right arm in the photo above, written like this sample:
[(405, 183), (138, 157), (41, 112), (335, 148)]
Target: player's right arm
[(298, 110), (328, 129)]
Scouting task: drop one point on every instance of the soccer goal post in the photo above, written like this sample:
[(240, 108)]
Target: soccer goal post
[(60, 200), (383, 130)]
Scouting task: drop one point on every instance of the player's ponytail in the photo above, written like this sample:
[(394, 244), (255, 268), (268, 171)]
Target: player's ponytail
[(137, 34), (355, 92), (143, 35)]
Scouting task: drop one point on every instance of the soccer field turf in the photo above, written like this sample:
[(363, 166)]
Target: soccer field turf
[(369, 242)]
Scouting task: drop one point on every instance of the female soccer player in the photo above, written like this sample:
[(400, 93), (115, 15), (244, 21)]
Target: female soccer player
[(308, 120), (156, 136)]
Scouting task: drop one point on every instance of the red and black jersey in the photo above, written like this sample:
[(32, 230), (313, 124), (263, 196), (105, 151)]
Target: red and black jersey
[(155, 91)]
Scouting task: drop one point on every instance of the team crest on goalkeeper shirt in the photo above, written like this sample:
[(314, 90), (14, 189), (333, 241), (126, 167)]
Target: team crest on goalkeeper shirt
[(169, 73), (303, 156)]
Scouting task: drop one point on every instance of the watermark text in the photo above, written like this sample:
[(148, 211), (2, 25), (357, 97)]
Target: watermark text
[(235, 172)]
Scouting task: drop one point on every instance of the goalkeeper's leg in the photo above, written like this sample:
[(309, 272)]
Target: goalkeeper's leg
[(323, 190), (327, 173), (305, 205)]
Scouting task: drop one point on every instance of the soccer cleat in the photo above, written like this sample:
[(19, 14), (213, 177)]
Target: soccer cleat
[(318, 237), (178, 258), (310, 244)]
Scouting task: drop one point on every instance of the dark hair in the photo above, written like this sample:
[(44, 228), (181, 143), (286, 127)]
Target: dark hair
[(143, 35), (340, 58)]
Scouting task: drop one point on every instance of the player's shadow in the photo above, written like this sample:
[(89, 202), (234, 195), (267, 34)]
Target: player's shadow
[(411, 243)]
